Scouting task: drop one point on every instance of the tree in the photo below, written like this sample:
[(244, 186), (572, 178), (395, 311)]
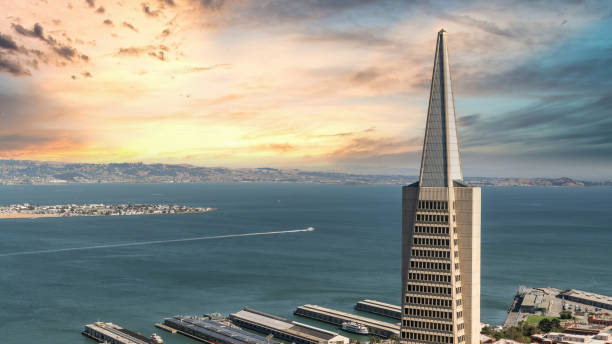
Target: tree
[(565, 315), (487, 330), (545, 325)]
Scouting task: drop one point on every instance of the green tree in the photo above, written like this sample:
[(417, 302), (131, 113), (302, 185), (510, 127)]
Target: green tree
[(545, 325), (565, 315), (487, 330)]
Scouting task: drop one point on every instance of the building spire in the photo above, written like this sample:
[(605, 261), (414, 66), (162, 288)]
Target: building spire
[(441, 160)]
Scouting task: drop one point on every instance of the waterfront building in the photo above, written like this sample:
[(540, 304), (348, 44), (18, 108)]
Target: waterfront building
[(564, 338), (285, 329), (441, 230), (104, 332), (601, 319), (587, 298), (213, 331), (380, 308)]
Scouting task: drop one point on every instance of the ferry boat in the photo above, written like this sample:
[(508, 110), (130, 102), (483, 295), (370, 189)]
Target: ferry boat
[(157, 338), (354, 327)]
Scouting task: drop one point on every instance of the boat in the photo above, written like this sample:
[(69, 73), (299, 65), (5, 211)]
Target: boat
[(157, 338), (354, 327)]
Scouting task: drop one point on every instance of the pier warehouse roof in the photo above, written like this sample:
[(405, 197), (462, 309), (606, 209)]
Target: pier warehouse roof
[(285, 329), (587, 298), (214, 331)]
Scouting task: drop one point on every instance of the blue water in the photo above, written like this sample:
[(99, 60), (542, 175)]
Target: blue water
[(559, 237)]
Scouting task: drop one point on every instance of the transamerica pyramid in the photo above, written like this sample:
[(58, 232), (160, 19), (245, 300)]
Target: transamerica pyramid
[(441, 229)]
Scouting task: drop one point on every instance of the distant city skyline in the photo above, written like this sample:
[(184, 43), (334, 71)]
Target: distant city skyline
[(314, 85)]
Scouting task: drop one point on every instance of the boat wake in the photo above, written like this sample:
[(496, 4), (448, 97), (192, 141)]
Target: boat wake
[(154, 242)]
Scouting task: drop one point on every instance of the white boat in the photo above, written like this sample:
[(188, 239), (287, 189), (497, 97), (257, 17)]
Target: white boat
[(157, 338), (354, 327)]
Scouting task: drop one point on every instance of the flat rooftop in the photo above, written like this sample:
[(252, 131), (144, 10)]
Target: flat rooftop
[(118, 333), (585, 295), (284, 325), (353, 317), (379, 304), (213, 328)]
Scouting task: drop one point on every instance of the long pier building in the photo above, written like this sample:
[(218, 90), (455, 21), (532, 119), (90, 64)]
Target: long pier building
[(104, 332), (332, 316), (210, 331), (380, 308), (285, 329)]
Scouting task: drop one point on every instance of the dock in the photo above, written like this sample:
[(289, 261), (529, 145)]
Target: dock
[(108, 332), (332, 316), (213, 332), (380, 308), (285, 329), (165, 328)]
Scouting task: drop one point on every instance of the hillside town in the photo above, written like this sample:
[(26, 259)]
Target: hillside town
[(27, 172)]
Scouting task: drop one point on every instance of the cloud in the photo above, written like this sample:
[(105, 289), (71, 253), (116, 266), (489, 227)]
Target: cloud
[(87, 75), (274, 147), (7, 42), (150, 50), (25, 130), (91, 3), (148, 11), (212, 4), (36, 31), (12, 67), (62, 50), (100, 9), (577, 128), (207, 68), (65, 52), (129, 26), (108, 22)]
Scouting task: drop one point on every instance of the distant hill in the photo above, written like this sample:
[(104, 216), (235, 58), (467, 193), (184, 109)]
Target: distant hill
[(39, 172)]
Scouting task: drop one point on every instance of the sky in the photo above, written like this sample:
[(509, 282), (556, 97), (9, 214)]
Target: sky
[(311, 84)]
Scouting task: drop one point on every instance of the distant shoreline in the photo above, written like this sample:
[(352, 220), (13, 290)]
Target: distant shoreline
[(26, 172), (471, 183), (27, 211)]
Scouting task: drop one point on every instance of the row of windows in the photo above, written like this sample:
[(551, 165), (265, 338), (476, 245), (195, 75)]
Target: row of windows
[(460, 326), (461, 339), (458, 290), (430, 253), (459, 314), (432, 242), (429, 289), (433, 205), (429, 313), (428, 325), (427, 337), (459, 302), (431, 230), (426, 301), (458, 278), (430, 265), (429, 277), (432, 218)]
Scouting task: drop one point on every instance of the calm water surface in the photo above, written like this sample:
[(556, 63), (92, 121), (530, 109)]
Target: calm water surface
[(559, 237)]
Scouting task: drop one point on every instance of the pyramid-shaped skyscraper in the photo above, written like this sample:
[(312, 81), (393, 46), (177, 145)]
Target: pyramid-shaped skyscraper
[(441, 229)]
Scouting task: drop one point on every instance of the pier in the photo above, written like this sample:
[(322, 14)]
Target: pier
[(213, 332), (108, 332), (285, 329), (332, 316), (380, 308)]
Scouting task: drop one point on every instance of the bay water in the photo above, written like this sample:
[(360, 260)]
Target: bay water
[(539, 237)]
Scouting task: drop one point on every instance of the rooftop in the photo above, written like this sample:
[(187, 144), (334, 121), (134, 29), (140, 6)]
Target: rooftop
[(587, 296)]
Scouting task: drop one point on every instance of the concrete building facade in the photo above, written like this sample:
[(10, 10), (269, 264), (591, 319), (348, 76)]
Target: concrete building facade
[(441, 230)]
